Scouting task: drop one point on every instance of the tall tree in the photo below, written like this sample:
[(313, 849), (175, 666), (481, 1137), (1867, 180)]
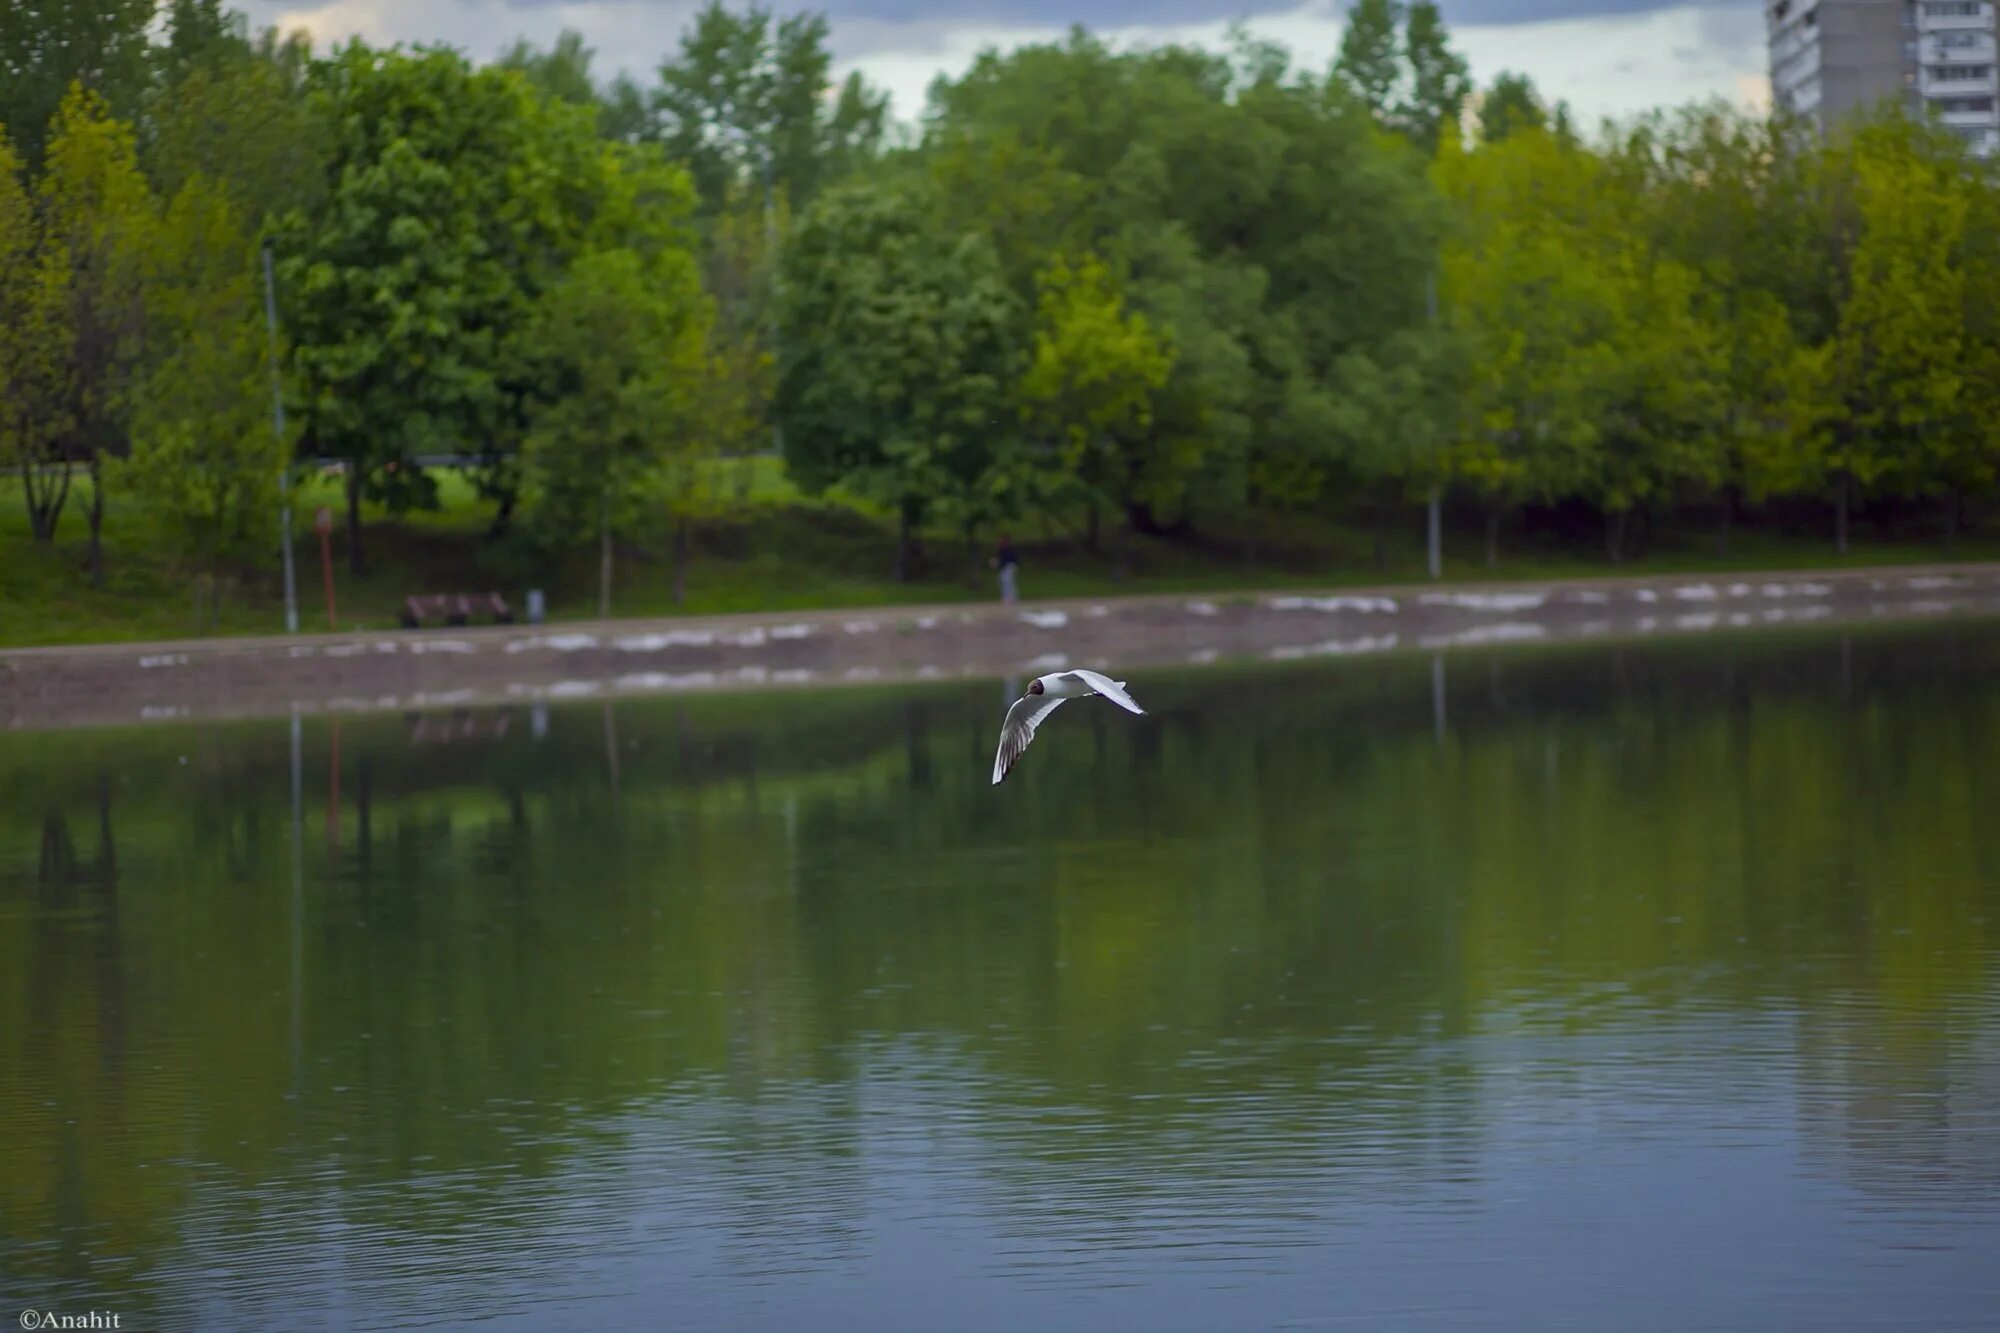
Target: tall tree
[(625, 333), (37, 346), (899, 348), (1439, 81), (1901, 346), (744, 101), (1510, 106), (99, 207), (234, 121), (1090, 385), (453, 198), (562, 71), (202, 451), (1524, 283), (1370, 62), (48, 45)]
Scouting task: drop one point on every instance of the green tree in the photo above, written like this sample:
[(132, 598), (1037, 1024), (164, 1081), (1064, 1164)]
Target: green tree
[(234, 121), (1439, 81), (625, 333), (1370, 63), (48, 45), (453, 199), (1524, 283), (562, 71), (1511, 106), (1089, 387), (202, 451), (100, 209), (899, 348), (1901, 349), (744, 101), (37, 345)]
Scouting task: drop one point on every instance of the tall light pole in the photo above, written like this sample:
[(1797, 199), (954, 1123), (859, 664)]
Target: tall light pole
[(278, 426)]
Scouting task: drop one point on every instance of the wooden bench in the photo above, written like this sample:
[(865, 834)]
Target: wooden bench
[(454, 608)]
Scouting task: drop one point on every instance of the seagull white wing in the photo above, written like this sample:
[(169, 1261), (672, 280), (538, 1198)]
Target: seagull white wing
[(1019, 728), (1114, 690)]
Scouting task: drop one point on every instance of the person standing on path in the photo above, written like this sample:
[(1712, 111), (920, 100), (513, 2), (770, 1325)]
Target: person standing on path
[(1007, 563)]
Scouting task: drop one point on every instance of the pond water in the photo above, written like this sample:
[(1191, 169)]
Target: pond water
[(1634, 987)]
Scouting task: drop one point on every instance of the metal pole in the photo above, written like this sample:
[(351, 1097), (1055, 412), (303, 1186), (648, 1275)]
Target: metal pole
[(278, 426)]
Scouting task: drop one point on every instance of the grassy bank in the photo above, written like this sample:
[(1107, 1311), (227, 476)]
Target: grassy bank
[(779, 550)]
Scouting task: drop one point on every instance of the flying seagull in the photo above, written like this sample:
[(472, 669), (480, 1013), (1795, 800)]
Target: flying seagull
[(1045, 695)]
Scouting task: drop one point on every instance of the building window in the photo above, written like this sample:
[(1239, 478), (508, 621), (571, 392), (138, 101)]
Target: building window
[(1961, 41), (1960, 73), (1950, 9), (1970, 104)]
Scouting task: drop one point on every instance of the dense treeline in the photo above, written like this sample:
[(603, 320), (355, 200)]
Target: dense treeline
[(1160, 291)]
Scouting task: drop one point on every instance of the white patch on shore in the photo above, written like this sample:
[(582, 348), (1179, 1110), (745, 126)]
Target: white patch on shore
[(653, 643), (1927, 582), (573, 689), (304, 650), (346, 649), (1647, 624), (1696, 592), (1930, 606), (1513, 631), (1331, 604), (155, 712), (793, 676), (749, 638), (164, 660), (1739, 590), (1699, 620), (1587, 596), (562, 643), (861, 626), (441, 646), (385, 645), (1646, 594), (927, 622), (1098, 611), (1045, 619), (1486, 601), (1201, 608), (790, 631), (1046, 662), (1204, 657), (861, 673), (753, 674), (1373, 643)]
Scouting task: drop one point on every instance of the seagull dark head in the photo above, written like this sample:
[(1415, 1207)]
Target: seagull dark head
[(1034, 687)]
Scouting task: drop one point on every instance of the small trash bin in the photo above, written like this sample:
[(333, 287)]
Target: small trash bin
[(535, 608)]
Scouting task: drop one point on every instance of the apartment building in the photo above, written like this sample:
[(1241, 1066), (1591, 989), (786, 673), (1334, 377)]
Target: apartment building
[(1831, 58)]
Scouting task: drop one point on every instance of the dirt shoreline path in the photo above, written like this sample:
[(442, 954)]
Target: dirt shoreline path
[(111, 684)]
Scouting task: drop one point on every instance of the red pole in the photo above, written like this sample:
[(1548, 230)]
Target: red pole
[(324, 524)]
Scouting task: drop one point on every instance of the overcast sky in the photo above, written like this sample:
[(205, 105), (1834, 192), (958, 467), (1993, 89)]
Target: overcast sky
[(1607, 57)]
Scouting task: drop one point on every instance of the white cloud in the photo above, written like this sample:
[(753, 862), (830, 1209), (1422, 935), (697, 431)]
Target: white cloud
[(1609, 65)]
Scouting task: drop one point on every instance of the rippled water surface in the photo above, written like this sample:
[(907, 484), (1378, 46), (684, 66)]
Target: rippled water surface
[(1640, 988)]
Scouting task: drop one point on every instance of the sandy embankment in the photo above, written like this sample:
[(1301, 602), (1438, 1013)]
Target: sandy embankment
[(111, 684)]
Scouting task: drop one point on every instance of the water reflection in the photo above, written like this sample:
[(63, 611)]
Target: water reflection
[(1297, 1001)]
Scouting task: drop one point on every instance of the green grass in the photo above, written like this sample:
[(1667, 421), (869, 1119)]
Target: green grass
[(779, 550)]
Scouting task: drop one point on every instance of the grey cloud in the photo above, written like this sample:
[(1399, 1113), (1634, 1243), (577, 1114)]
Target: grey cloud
[(1113, 15)]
